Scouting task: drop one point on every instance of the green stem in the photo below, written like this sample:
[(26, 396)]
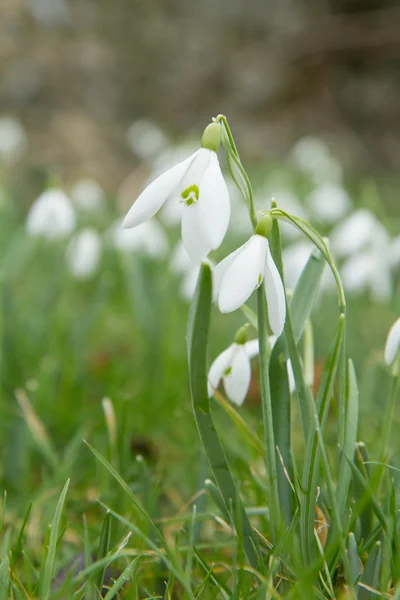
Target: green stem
[(269, 436), (232, 153)]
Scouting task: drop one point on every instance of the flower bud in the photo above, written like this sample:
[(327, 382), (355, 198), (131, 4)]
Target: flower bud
[(241, 335), (212, 137), (264, 226)]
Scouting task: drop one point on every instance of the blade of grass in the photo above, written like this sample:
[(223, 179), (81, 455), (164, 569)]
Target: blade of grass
[(123, 578), (45, 584)]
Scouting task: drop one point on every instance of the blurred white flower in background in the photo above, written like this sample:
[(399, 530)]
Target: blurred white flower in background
[(240, 223), (146, 139), (49, 12), (182, 266), (83, 253), (359, 231), (314, 158), (294, 259), (368, 271), (51, 216), (13, 139), (87, 195), (394, 254), (328, 203), (149, 239)]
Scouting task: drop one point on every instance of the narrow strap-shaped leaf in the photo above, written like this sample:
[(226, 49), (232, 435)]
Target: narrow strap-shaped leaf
[(350, 436), (371, 572), (354, 560), (103, 549), (123, 578), (198, 328), (45, 586)]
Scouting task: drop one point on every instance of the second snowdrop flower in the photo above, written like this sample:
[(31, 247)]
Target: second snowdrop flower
[(197, 183), (243, 271), (233, 367)]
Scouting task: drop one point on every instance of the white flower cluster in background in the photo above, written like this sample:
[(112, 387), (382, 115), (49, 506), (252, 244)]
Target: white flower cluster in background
[(13, 139)]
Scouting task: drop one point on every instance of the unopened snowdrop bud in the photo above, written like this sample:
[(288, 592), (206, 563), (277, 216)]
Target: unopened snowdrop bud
[(392, 347), (233, 367), (212, 137), (198, 185), (239, 274), (51, 216), (83, 253)]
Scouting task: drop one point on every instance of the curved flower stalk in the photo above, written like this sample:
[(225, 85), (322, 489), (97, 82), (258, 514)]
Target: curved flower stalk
[(51, 216), (243, 271), (197, 183)]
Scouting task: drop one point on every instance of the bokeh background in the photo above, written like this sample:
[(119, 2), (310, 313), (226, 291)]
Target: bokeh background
[(96, 98)]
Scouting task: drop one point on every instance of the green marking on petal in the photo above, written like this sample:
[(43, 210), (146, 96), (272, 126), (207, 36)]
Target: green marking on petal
[(227, 371), (260, 280), (190, 195)]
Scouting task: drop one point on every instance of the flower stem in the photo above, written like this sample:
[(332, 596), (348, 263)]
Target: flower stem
[(269, 435)]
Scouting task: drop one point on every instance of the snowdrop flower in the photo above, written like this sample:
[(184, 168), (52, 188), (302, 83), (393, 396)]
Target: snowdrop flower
[(288, 201), (13, 140), (233, 367), (87, 195), (148, 238), (328, 203), (361, 229), (51, 216), (146, 139), (83, 253), (392, 343), (240, 273), (198, 184)]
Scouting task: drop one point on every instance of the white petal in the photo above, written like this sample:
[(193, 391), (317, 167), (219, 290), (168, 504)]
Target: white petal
[(214, 204), (218, 368), (52, 215), (237, 383), (154, 196), (197, 169), (222, 267), (83, 253), (252, 348), (275, 296), (392, 343), (242, 276), (195, 244)]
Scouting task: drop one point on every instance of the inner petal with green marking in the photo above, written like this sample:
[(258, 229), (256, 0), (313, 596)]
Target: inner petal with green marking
[(190, 195)]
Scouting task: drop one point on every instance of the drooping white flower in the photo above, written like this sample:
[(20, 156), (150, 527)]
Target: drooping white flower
[(149, 239), (328, 203), (239, 274), (87, 195), (51, 216), (83, 253), (198, 184), (13, 140), (392, 343), (233, 367)]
